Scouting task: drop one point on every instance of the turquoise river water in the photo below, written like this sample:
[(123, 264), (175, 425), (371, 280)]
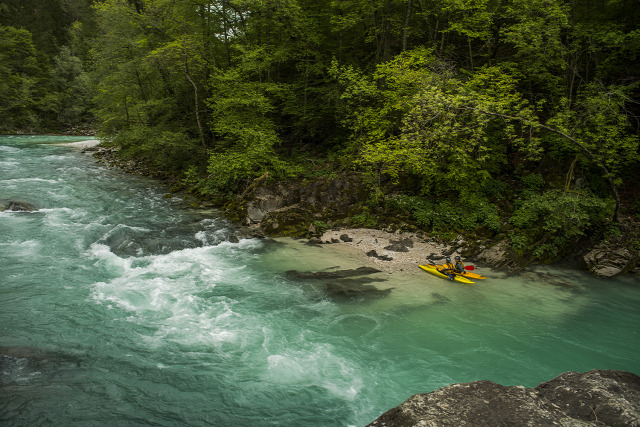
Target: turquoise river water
[(119, 306)]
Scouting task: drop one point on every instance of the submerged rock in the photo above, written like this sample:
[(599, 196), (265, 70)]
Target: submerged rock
[(594, 398), (17, 206), (24, 365), (338, 274), (344, 283), (354, 288)]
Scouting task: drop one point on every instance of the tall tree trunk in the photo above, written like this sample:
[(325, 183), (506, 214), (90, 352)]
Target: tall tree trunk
[(196, 101), (405, 29)]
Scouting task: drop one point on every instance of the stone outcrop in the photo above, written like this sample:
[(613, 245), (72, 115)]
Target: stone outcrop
[(607, 262), (594, 398), (496, 255), (292, 208)]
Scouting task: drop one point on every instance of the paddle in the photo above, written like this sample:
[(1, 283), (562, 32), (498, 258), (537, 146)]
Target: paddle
[(469, 267)]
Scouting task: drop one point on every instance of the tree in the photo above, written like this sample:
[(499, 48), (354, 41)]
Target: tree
[(69, 98), (18, 77), (153, 62), (423, 120)]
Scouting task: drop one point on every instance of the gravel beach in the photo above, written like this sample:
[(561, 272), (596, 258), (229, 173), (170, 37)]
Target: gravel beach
[(399, 251)]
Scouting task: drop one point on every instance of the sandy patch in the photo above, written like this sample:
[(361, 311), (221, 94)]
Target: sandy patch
[(397, 251)]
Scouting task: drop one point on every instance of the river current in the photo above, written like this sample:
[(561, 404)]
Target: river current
[(120, 306)]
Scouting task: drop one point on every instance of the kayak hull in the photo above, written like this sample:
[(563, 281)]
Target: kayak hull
[(468, 274), (433, 270)]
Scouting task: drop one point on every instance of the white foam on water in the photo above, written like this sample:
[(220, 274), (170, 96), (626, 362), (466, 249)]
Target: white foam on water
[(104, 257), (120, 227), (161, 292), (62, 217), (22, 248), (315, 366), (23, 180), (55, 157), (8, 149), (212, 327), (56, 210)]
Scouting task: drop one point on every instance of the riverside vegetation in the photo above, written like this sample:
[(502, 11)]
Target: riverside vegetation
[(512, 121)]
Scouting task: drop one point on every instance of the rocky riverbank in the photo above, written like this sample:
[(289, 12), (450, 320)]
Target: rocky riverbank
[(594, 398), (397, 251), (325, 210)]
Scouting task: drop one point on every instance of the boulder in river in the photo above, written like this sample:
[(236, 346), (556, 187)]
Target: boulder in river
[(17, 206), (594, 398)]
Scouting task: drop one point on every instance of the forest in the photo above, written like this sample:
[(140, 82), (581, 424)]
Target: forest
[(512, 118)]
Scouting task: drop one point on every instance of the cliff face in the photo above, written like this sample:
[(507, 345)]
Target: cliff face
[(594, 398)]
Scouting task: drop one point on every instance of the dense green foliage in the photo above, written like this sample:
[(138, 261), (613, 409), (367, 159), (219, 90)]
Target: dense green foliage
[(510, 117), (44, 86)]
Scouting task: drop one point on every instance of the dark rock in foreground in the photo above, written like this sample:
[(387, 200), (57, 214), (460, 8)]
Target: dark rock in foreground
[(594, 398)]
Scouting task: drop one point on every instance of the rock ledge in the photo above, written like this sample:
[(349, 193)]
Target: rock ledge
[(594, 398)]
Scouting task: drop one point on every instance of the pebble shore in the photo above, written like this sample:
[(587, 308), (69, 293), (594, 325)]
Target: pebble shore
[(399, 251)]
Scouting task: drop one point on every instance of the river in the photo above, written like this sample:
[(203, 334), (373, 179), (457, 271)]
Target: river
[(120, 306)]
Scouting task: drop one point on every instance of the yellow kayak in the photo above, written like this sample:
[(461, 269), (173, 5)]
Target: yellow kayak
[(433, 270), (468, 274)]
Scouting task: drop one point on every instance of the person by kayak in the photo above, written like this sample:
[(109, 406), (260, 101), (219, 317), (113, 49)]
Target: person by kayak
[(459, 267), (448, 269)]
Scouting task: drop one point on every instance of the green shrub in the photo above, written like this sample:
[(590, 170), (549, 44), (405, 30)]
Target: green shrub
[(533, 181), (518, 242), (364, 219), (321, 226), (228, 171), (467, 214), (163, 149), (495, 189), (553, 221)]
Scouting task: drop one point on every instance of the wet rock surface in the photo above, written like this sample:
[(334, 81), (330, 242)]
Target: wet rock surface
[(594, 398)]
